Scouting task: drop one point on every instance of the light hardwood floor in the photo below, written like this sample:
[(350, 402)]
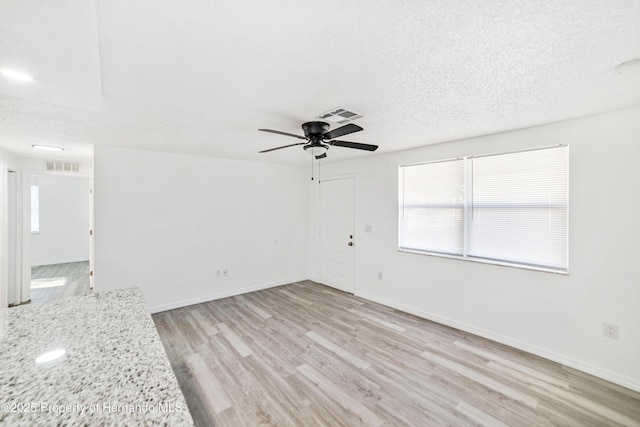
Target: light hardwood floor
[(308, 355), (55, 281)]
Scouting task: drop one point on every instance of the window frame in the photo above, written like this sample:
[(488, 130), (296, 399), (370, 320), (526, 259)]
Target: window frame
[(467, 208)]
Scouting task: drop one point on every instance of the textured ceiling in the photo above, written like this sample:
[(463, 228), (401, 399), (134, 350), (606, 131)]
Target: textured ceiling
[(200, 76)]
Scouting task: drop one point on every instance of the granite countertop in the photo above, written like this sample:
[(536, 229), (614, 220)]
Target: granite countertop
[(114, 370)]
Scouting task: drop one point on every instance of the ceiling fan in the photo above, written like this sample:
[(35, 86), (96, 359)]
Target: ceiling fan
[(319, 138)]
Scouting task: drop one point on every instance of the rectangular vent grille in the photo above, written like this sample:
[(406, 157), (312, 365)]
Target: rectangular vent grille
[(61, 166), (340, 116)]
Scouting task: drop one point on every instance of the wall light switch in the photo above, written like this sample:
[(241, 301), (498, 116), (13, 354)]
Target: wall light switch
[(368, 229)]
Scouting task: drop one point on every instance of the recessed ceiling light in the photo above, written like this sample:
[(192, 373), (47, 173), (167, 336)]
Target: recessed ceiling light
[(628, 67), (50, 355), (16, 75), (47, 147)]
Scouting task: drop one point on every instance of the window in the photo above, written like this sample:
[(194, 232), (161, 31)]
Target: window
[(35, 209), (504, 208)]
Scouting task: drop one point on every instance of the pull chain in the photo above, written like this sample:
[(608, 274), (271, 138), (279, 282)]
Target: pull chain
[(312, 157)]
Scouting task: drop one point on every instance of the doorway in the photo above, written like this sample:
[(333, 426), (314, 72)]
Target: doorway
[(60, 243), (336, 236)]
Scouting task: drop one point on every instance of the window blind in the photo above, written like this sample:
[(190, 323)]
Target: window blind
[(505, 208), (432, 217), (518, 208)]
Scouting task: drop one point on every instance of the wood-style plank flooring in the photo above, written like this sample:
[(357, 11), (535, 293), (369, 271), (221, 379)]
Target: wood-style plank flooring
[(308, 355), (55, 281)]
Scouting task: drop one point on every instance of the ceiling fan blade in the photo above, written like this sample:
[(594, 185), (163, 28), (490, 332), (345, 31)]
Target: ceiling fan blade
[(282, 133), (343, 130), (355, 145), (284, 146), (321, 156)]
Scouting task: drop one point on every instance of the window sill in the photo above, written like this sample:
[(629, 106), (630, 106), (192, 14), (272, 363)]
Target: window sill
[(485, 261)]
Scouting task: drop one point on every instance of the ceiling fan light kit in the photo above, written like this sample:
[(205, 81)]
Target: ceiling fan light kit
[(317, 151), (319, 138)]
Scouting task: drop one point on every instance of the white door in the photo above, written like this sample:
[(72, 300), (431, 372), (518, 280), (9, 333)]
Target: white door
[(337, 234)]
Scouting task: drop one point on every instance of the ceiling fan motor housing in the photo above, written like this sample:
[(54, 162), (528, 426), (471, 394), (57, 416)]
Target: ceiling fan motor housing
[(314, 130)]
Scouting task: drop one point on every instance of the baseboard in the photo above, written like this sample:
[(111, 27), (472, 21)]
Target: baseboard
[(58, 261), (579, 365), (220, 295)]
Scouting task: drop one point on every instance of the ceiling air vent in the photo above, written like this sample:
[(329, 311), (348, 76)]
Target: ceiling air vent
[(340, 116), (61, 166)]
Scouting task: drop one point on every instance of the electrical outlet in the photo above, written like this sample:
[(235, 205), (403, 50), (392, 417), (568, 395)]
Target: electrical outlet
[(610, 330), (225, 272)]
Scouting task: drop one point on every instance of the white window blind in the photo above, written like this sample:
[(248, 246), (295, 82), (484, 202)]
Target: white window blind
[(519, 209), (508, 208), (433, 207)]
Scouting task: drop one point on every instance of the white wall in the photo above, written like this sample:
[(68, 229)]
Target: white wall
[(64, 220), (167, 223), (556, 316)]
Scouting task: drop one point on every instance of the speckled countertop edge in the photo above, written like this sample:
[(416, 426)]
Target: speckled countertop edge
[(114, 371)]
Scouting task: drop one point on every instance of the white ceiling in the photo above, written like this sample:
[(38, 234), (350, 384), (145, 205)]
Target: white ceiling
[(200, 76)]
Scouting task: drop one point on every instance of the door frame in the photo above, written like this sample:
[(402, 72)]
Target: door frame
[(14, 237), (4, 259), (17, 248), (354, 180)]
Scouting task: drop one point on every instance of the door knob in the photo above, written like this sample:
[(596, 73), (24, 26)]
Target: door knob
[(350, 243)]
